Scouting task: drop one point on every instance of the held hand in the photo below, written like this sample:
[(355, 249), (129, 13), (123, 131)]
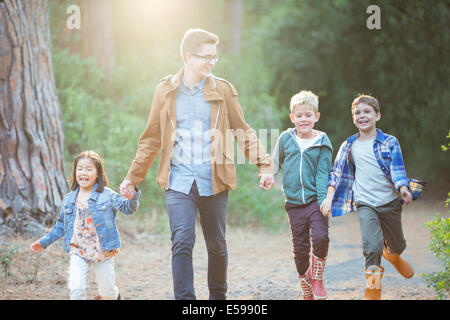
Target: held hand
[(406, 195), (325, 207), (127, 189), (36, 246), (266, 181)]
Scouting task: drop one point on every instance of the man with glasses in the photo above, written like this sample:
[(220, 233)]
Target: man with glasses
[(193, 119)]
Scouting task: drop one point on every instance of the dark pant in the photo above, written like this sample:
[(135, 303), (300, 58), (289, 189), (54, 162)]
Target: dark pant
[(307, 222), (182, 209), (380, 226)]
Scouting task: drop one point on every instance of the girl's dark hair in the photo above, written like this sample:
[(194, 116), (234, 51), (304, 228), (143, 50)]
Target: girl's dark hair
[(102, 179)]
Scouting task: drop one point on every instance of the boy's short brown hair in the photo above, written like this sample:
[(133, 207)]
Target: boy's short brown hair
[(193, 39), (366, 99)]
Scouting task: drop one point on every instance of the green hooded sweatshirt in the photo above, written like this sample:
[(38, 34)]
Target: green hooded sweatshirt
[(305, 174)]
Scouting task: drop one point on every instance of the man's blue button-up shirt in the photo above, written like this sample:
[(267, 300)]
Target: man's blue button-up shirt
[(191, 156)]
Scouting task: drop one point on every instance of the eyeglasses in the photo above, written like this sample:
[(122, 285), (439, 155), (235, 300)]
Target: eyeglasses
[(208, 59)]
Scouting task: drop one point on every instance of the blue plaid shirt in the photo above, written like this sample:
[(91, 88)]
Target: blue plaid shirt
[(389, 157), (191, 156)]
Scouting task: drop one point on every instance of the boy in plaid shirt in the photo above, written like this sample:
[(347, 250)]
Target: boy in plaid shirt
[(369, 175)]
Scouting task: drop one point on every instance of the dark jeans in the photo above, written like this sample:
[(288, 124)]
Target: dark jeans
[(182, 209), (307, 222), (380, 226)]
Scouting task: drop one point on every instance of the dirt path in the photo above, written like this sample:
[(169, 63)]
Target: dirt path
[(261, 265)]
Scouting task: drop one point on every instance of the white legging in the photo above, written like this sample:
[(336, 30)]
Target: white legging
[(104, 274)]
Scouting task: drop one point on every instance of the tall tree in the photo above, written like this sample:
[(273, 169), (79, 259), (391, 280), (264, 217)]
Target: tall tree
[(32, 180)]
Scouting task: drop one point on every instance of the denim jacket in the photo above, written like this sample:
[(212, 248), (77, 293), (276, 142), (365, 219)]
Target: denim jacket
[(102, 208)]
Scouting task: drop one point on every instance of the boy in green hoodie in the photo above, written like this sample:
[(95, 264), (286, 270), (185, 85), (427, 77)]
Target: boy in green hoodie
[(305, 156)]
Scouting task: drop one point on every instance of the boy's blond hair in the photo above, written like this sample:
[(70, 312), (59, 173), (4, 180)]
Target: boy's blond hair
[(366, 99), (305, 97), (193, 39)]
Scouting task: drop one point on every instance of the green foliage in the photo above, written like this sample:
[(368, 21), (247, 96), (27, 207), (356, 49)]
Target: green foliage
[(439, 229), (7, 255), (250, 205), (440, 237), (447, 147), (326, 47), (96, 119)]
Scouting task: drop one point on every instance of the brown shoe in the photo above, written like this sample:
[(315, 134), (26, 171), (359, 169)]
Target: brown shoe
[(400, 264)]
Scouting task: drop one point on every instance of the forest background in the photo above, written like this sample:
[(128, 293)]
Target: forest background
[(269, 50)]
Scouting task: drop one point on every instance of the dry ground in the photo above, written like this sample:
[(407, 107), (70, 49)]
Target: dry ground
[(261, 264)]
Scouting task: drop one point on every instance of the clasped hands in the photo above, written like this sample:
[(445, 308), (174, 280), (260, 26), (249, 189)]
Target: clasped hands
[(127, 189), (267, 180)]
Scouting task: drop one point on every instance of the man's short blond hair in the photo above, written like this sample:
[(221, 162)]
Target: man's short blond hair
[(193, 39), (307, 98)]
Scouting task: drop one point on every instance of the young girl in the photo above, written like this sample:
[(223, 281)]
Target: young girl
[(87, 221)]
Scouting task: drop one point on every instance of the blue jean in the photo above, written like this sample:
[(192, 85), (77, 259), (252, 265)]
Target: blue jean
[(182, 209)]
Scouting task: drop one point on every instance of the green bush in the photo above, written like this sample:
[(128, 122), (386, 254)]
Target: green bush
[(440, 235), (97, 116), (439, 244), (249, 205), (7, 255)]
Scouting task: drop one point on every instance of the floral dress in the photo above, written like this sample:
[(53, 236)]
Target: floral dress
[(85, 242)]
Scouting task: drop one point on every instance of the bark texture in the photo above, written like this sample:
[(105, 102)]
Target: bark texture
[(32, 180)]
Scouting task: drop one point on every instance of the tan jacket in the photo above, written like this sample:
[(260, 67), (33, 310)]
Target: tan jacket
[(227, 122)]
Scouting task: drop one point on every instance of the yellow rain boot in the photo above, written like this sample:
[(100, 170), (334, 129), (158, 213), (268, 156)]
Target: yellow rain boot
[(402, 266), (374, 274)]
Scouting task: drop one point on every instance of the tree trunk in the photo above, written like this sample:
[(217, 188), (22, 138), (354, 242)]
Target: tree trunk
[(32, 180), (96, 33)]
